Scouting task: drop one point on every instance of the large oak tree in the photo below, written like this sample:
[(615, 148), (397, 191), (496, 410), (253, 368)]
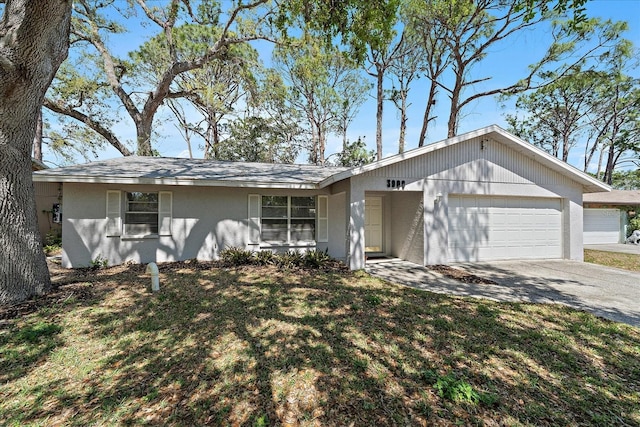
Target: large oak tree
[(34, 40)]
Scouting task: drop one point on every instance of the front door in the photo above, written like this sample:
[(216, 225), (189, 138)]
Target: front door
[(373, 224)]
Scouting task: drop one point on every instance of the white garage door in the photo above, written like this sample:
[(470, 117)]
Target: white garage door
[(601, 226), (483, 228)]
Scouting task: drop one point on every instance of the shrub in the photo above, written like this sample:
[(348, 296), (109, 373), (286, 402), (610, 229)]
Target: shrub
[(98, 263), (234, 257), (316, 258), (634, 224), (265, 258), (457, 390), (52, 242), (53, 238), (290, 259)]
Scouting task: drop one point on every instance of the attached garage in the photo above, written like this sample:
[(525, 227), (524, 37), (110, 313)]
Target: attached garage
[(601, 226), (483, 228)]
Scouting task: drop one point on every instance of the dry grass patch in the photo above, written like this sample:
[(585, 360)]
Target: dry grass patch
[(629, 262), (258, 346)]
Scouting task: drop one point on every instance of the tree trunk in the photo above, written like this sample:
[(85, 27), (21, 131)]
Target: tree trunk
[(143, 130), (403, 121), (431, 101), (37, 141), (380, 101), (608, 169), (34, 40), (452, 126)]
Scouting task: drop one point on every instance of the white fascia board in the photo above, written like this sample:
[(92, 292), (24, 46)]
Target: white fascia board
[(174, 181)]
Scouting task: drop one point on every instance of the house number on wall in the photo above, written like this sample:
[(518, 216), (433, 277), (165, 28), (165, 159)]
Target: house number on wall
[(395, 183)]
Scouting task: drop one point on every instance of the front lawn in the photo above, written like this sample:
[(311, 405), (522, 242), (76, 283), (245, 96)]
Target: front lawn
[(261, 346), (613, 259)]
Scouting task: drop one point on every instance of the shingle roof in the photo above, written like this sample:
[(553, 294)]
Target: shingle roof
[(614, 197), (175, 171)]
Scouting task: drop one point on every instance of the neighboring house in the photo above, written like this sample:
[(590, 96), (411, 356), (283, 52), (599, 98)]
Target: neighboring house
[(48, 195), (606, 215), (484, 195)]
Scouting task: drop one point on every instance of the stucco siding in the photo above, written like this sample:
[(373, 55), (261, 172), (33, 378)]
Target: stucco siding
[(205, 220), (336, 246)]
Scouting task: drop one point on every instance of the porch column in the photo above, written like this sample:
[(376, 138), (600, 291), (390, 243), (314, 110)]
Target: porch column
[(573, 227), (356, 242)]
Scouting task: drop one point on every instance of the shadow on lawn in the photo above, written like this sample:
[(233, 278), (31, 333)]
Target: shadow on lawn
[(265, 347)]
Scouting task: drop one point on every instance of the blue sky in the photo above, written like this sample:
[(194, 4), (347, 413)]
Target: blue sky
[(506, 64)]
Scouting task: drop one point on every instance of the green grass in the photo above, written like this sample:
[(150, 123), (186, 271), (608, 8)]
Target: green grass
[(258, 346), (613, 259)]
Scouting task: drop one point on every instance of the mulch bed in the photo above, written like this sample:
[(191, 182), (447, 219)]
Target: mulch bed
[(461, 275)]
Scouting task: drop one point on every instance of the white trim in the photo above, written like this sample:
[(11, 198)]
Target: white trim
[(254, 211), (322, 209), (165, 212), (114, 213), (173, 181)]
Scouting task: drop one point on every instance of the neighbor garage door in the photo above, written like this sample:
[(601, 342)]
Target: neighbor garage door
[(491, 228), (601, 226)]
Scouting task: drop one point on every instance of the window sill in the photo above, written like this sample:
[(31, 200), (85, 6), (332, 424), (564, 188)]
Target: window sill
[(309, 244), (139, 237)]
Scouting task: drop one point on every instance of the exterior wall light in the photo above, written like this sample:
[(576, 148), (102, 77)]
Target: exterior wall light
[(438, 198)]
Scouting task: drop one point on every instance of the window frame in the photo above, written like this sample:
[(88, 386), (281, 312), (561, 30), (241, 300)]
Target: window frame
[(290, 220), (128, 212)]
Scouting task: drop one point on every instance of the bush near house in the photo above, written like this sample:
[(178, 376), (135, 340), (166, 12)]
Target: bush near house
[(634, 224)]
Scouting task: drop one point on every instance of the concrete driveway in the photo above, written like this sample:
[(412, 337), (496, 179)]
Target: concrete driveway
[(607, 292)]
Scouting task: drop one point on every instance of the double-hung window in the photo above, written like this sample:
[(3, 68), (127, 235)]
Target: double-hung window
[(288, 219), (141, 214)]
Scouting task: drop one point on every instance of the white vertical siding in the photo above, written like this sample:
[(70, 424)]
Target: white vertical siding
[(468, 161), (407, 226)]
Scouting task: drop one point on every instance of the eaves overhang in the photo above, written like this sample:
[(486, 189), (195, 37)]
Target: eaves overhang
[(173, 182)]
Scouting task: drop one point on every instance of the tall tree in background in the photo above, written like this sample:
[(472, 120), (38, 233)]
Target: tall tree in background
[(214, 91), (141, 98), (557, 115), (404, 69), (34, 40), (418, 16), (616, 121), (462, 33), (379, 58), (318, 76), (99, 79), (594, 107)]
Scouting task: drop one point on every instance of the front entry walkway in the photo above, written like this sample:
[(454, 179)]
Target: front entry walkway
[(607, 292)]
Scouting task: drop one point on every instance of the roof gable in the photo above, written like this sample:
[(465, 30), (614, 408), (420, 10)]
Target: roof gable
[(485, 135)]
